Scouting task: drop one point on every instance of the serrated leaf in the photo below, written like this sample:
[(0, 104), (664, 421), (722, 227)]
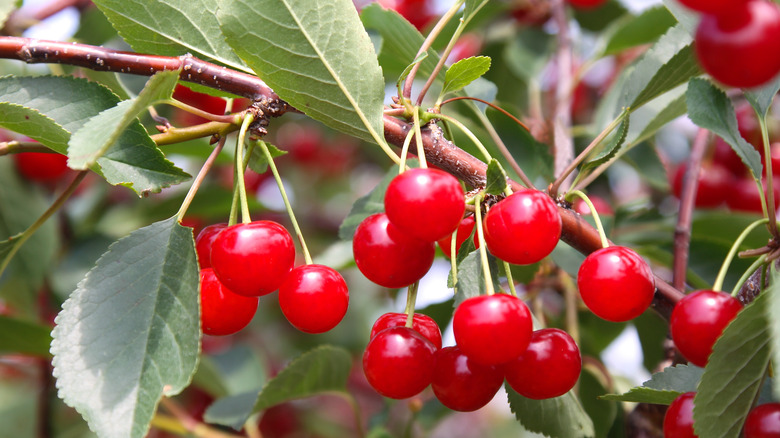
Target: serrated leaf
[(24, 337), (611, 149), (633, 31), (663, 387), (298, 46), (734, 372), (496, 177), (773, 316), (761, 98), (30, 122), (558, 417), (471, 278), (258, 162), (97, 135), (130, 332), (669, 63), (710, 108), (464, 72), (171, 28), (687, 18)]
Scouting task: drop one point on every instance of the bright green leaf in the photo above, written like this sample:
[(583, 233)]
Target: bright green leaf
[(663, 387), (633, 31), (299, 46), (24, 337), (30, 122), (710, 108), (258, 162), (130, 332), (761, 98), (464, 72), (496, 177), (734, 373), (558, 417)]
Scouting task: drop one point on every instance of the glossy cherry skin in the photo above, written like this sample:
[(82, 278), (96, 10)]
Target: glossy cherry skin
[(698, 320), (462, 384), (763, 421), (549, 367), (422, 324), (388, 256), (738, 49), (465, 230), (523, 228), (204, 241), (253, 259), (223, 312), (398, 362), (678, 421), (427, 204), (314, 298), (586, 4), (712, 6), (492, 329), (616, 283), (41, 166), (714, 185)]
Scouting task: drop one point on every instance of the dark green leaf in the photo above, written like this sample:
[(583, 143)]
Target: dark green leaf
[(610, 149), (632, 31), (130, 333), (602, 412), (598, 18), (471, 278), (258, 162), (710, 108), (464, 72), (559, 417), (761, 98), (24, 337), (298, 46), (663, 387), (466, 248), (734, 372), (496, 178)]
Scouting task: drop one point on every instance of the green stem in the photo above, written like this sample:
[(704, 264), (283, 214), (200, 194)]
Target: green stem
[(454, 260), (245, 218), (418, 138), (758, 262), (26, 234), (440, 64), (405, 152), (287, 205), (509, 279), (482, 250), (770, 193), (233, 118), (599, 226), (469, 134), (411, 299), (732, 252), (199, 179)]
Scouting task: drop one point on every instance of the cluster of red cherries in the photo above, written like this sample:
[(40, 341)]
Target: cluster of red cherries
[(242, 262), (763, 421)]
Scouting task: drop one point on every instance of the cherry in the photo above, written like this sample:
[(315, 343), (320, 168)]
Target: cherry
[(698, 321), (398, 362), (314, 298), (774, 152), (423, 324), (253, 259), (714, 185), (388, 256), (492, 329), (678, 421), (223, 312), (616, 283), (465, 229), (725, 156), (204, 241), (601, 205), (427, 204), (462, 384), (744, 195), (41, 167), (549, 367), (736, 48), (763, 421), (712, 6), (418, 12), (586, 4), (523, 228)]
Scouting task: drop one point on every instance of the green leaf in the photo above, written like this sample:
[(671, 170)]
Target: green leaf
[(471, 7), (97, 135), (233, 410), (464, 72), (663, 387), (25, 337), (471, 278), (611, 149), (654, 115), (257, 161), (466, 248), (407, 70), (710, 108), (298, 46), (30, 122), (558, 417), (130, 332), (687, 18), (761, 98), (171, 28), (496, 177), (602, 412), (666, 65), (773, 316), (734, 372), (633, 31)]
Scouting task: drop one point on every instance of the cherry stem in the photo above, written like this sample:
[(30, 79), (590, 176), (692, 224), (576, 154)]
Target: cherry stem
[(454, 260), (199, 179), (418, 138), (19, 239), (770, 193), (758, 262), (733, 251), (490, 104), (178, 135), (16, 147), (405, 152), (287, 205), (234, 204), (596, 218), (222, 118), (482, 250), (245, 218), (509, 279), (411, 298), (469, 134)]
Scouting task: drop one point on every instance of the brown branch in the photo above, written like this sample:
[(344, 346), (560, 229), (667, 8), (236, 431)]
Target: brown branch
[(564, 145)]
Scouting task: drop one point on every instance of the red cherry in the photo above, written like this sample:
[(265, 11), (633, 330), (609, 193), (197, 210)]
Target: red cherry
[(465, 229), (41, 167), (427, 204), (698, 320), (204, 241), (601, 205), (725, 156), (523, 228), (314, 298), (737, 48), (389, 257), (616, 283), (763, 421), (678, 421), (549, 367), (712, 6), (492, 329), (744, 195), (418, 12), (422, 324), (398, 362), (586, 4), (714, 185), (223, 312), (775, 155), (253, 259), (462, 384)]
